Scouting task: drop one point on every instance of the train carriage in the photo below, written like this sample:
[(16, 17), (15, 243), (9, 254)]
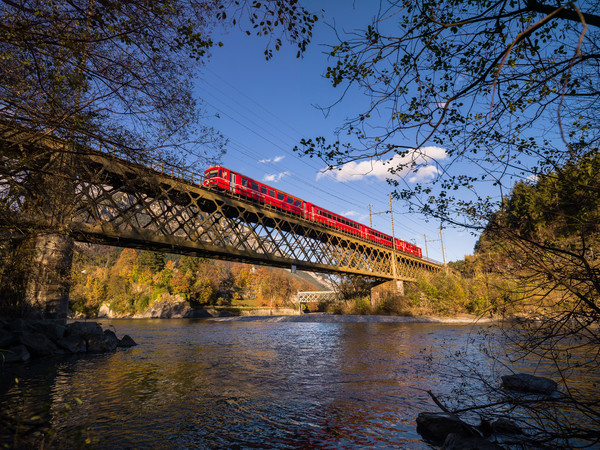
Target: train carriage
[(236, 183)]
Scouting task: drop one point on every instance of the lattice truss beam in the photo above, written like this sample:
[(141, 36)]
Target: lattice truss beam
[(317, 296), (126, 204)]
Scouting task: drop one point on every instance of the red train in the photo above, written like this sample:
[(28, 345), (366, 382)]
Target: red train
[(226, 179)]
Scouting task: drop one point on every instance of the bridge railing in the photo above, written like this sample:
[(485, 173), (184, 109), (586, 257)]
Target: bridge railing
[(316, 296)]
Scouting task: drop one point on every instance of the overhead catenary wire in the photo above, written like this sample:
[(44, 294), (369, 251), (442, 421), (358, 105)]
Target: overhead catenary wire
[(284, 147)]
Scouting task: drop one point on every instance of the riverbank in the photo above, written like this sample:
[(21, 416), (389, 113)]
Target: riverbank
[(354, 318)]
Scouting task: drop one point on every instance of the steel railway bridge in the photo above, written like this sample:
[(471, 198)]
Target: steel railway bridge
[(159, 207)]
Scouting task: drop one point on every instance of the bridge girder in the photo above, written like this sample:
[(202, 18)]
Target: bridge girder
[(119, 202)]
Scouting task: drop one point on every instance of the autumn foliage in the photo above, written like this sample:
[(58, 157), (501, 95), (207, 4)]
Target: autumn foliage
[(130, 280)]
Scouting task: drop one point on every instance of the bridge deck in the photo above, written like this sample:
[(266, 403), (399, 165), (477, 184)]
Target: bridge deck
[(154, 206)]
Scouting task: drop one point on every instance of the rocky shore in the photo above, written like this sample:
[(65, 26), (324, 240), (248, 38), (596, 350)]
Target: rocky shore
[(22, 339)]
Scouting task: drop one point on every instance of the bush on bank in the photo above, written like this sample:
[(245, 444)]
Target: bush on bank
[(445, 293)]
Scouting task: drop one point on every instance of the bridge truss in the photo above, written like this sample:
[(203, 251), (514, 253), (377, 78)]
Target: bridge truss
[(123, 203)]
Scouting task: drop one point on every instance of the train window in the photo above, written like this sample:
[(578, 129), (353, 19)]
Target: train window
[(254, 186), (244, 182), (298, 203), (280, 196), (290, 200), (271, 192), (263, 189)]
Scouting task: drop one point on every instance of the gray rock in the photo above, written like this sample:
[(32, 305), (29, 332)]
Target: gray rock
[(86, 330), (111, 338), (457, 442), (16, 353), (38, 344), (524, 382), (52, 330), (72, 344), (100, 344), (436, 426), (168, 307), (126, 341), (505, 426)]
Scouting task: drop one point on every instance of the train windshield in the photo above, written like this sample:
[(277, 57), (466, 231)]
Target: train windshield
[(212, 173)]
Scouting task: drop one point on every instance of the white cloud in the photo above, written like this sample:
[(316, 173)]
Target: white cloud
[(424, 173), (275, 160), (533, 178), (355, 216), (275, 177), (421, 160)]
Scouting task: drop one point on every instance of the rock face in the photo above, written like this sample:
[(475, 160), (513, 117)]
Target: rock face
[(106, 313), (523, 382), (436, 426), (21, 340), (168, 307)]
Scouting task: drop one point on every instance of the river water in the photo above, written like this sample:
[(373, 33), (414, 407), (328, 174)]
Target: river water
[(248, 384)]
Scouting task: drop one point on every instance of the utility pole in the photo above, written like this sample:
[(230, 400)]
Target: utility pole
[(426, 252), (442, 242), (393, 240), (393, 235)]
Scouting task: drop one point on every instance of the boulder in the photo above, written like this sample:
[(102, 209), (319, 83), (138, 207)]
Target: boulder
[(436, 426), (457, 442), (524, 382), (105, 343), (72, 344), (104, 312), (16, 353), (86, 330), (38, 344), (505, 426), (126, 342), (168, 307), (111, 338), (52, 330)]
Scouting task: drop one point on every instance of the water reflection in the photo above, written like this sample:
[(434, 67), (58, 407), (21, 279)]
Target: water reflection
[(191, 384)]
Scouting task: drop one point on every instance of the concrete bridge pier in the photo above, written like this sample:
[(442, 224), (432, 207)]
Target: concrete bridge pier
[(49, 276), (380, 291)]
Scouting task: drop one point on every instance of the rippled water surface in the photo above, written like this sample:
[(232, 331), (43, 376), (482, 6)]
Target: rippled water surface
[(194, 384)]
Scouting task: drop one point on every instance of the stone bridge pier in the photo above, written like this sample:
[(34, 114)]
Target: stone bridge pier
[(48, 278), (381, 291)]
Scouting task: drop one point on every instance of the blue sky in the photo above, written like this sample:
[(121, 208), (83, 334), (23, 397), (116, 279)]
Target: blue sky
[(266, 107)]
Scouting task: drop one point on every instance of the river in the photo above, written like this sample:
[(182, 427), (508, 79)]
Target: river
[(248, 384)]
